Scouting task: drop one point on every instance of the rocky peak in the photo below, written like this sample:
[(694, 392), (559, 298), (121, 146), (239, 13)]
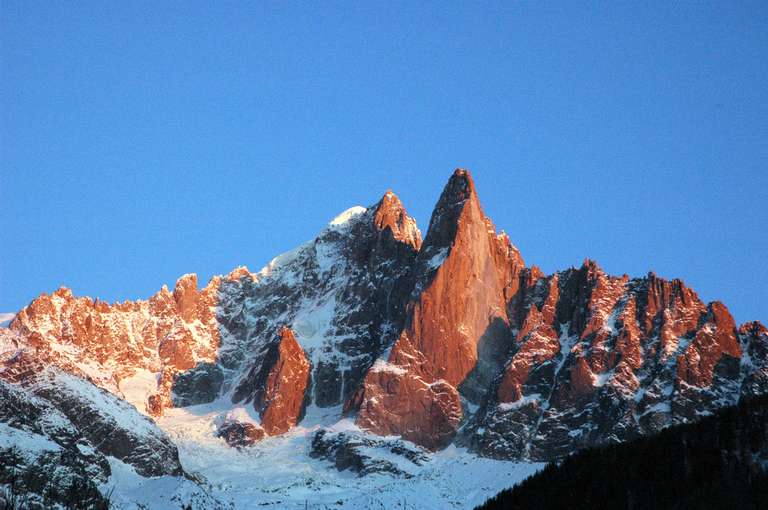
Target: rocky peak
[(456, 328), (460, 187), (457, 194), (753, 328), (591, 269), (63, 292), (389, 213), (186, 296), (282, 401), (714, 338), (673, 295), (467, 273), (239, 273)]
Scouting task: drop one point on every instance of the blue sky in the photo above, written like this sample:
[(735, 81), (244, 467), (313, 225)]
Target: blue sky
[(140, 141)]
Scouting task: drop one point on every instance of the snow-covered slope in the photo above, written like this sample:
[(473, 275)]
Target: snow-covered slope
[(66, 443), (279, 472)]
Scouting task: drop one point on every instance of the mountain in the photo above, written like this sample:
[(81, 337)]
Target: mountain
[(718, 462), (373, 351)]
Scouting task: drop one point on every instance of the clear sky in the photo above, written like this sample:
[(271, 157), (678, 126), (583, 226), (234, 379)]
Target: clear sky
[(144, 140)]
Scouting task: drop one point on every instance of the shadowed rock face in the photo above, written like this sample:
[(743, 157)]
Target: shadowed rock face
[(63, 459), (62, 406), (198, 385), (447, 339)]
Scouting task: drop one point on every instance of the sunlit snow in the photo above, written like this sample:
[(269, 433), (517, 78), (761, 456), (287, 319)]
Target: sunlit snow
[(138, 387), (348, 215)]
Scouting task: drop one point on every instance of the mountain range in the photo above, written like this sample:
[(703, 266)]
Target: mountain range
[(369, 367)]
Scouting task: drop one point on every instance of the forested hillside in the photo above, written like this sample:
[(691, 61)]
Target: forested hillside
[(718, 462)]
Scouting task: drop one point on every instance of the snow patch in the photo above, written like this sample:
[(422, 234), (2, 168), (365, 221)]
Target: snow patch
[(661, 407), (382, 366), (137, 388), (241, 414), (438, 258), (522, 401), (610, 322), (599, 380), (312, 324), (347, 215), (129, 490)]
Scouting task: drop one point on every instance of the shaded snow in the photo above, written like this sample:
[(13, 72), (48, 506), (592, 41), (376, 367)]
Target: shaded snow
[(437, 259), (27, 443), (129, 490)]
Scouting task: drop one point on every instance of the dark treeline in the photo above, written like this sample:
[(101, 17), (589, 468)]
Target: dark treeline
[(718, 462)]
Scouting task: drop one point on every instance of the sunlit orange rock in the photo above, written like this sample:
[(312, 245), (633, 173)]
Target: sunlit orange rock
[(281, 402), (465, 271)]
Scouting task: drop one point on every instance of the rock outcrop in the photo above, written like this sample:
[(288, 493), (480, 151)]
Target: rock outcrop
[(240, 434), (364, 455), (167, 334), (277, 384)]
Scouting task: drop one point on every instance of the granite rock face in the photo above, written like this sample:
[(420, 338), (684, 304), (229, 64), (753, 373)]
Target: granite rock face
[(277, 384), (456, 329)]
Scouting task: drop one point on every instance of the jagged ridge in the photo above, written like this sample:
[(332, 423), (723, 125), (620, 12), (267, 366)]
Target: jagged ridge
[(449, 339)]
